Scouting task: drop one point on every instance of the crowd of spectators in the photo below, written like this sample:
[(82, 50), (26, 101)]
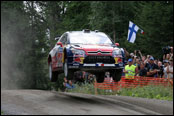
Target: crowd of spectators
[(148, 66)]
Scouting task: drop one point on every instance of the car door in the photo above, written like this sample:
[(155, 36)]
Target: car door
[(53, 54), (63, 40)]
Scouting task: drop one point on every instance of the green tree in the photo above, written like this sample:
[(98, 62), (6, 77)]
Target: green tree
[(75, 16), (156, 20)]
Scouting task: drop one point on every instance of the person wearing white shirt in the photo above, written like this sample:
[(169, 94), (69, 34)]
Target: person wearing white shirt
[(170, 69)]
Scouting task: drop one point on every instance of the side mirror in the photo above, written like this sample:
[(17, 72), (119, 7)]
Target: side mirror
[(60, 43), (117, 44), (57, 38)]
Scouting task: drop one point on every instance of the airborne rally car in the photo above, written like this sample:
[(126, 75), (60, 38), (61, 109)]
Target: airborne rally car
[(90, 51)]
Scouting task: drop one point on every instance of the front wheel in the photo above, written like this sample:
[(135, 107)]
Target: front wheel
[(116, 74), (68, 73)]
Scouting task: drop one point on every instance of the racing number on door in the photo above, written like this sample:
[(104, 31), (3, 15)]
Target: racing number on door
[(59, 56)]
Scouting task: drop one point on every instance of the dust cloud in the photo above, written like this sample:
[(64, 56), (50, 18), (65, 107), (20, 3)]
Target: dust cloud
[(11, 75)]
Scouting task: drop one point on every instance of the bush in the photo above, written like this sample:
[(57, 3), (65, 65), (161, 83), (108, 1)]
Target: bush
[(58, 85), (150, 91)]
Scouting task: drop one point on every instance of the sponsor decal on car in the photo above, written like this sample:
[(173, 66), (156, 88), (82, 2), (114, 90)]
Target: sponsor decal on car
[(118, 60)]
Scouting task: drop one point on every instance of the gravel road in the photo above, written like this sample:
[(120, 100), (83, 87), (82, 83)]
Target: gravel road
[(40, 102)]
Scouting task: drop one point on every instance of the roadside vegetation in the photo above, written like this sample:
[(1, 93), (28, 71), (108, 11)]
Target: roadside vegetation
[(150, 91)]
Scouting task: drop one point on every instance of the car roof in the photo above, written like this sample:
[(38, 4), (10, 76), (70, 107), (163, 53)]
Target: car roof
[(87, 31), (90, 32)]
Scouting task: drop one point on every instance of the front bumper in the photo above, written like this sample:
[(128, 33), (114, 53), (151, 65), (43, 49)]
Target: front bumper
[(95, 67), (95, 63)]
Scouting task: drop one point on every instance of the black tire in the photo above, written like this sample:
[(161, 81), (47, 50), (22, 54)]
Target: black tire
[(100, 77), (116, 74), (52, 74), (68, 73)]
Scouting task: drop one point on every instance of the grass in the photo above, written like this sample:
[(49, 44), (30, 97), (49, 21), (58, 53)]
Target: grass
[(150, 91), (2, 113)]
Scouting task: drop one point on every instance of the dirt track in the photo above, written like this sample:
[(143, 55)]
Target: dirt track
[(38, 102)]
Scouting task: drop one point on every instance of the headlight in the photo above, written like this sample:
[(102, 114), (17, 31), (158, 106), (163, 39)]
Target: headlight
[(116, 52), (78, 52)]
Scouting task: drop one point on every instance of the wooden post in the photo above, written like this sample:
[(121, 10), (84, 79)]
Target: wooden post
[(95, 83)]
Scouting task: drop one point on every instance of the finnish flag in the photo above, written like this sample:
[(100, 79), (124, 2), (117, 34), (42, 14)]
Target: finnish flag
[(132, 31)]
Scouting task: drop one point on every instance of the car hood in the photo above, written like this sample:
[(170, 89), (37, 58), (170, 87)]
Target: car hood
[(87, 48)]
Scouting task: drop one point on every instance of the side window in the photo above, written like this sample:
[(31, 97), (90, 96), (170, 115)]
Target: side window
[(64, 39), (67, 40)]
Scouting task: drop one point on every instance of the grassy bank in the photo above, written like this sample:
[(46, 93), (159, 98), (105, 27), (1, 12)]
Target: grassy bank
[(150, 91)]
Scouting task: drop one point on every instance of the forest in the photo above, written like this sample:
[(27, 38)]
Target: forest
[(29, 28)]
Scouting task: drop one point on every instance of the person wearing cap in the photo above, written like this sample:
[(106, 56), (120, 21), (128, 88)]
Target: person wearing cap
[(152, 68), (130, 70)]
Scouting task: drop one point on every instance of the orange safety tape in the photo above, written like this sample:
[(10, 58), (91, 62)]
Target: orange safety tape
[(137, 81)]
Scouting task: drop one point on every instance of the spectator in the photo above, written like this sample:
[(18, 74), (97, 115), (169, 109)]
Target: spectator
[(143, 58), (108, 77), (140, 56), (90, 78), (134, 56), (68, 84), (170, 69), (147, 60), (131, 55), (109, 80), (161, 69), (152, 68), (143, 70), (168, 54), (130, 70), (79, 78), (156, 62), (166, 63), (126, 53), (137, 63)]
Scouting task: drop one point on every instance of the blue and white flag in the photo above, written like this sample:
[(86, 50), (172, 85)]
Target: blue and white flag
[(132, 31)]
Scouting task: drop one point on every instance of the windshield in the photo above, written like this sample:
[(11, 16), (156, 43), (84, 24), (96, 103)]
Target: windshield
[(89, 38)]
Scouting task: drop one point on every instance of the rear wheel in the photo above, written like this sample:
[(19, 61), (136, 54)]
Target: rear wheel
[(52, 74), (116, 74), (100, 77)]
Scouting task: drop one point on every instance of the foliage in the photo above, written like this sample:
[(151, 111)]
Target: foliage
[(59, 83), (76, 16), (157, 21), (84, 88), (150, 91)]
